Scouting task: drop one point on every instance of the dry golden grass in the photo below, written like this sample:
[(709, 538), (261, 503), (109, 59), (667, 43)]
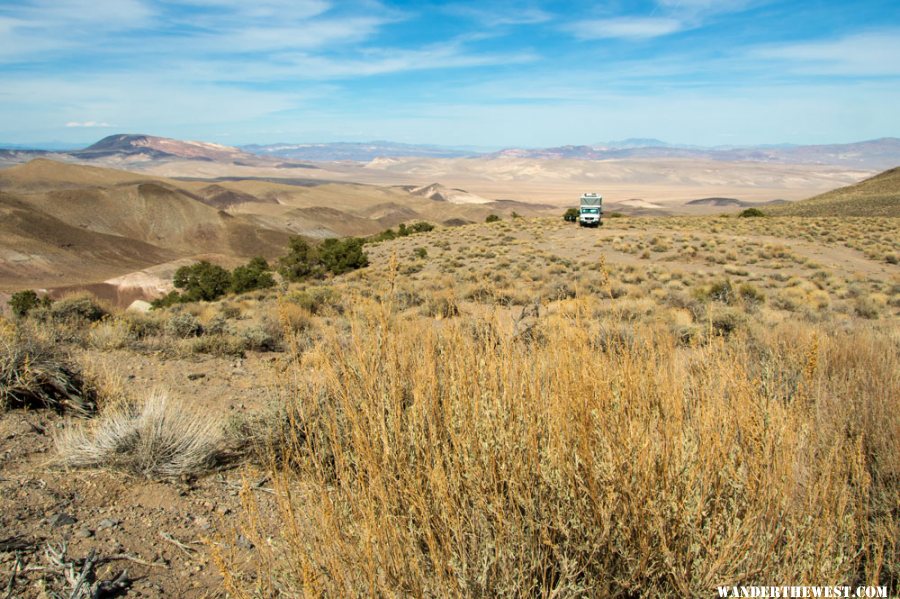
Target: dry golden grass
[(582, 459)]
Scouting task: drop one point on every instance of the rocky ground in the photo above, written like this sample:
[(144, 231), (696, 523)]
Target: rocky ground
[(157, 535)]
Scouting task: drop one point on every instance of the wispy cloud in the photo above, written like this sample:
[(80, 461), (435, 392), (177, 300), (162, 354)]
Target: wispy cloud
[(87, 124), (107, 14), (265, 9), (633, 28), (310, 66), (304, 35), (873, 53), (500, 14), (36, 28), (666, 18), (701, 8)]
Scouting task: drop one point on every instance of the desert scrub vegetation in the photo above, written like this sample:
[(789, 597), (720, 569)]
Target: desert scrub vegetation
[(36, 373), (22, 302), (465, 460), (77, 310)]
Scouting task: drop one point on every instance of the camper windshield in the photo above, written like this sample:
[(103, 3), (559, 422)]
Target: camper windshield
[(590, 211)]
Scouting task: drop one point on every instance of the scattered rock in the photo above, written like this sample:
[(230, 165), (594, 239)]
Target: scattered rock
[(62, 519), (195, 376), (84, 533), (107, 523)]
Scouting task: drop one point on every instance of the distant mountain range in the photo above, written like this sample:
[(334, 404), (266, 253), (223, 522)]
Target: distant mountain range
[(877, 154), (872, 154), (356, 152)]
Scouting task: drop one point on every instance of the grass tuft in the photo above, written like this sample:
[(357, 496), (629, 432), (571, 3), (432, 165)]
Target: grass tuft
[(156, 440)]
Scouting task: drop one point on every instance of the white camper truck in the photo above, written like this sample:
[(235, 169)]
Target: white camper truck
[(591, 210)]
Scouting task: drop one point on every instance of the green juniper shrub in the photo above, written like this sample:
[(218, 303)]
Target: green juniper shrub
[(751, 212), (571, 215), (169, 299), (420, 252), (301, 261), (253, 275), (403, 231), (23, 302), (338, 256), (492, 218), (202, 281), (386, 235)]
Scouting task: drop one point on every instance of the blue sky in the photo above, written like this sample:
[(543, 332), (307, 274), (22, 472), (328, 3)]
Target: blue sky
[(489, 74)]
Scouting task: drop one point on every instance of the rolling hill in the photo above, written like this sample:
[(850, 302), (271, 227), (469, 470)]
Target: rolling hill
[(64, 224), (876, 196)]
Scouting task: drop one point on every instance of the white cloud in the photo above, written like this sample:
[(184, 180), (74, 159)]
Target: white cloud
[(501, 14), (625, 28), (864, 54), (705, 5), (402, 61), (305, 35), (87, 124), (279, 9), (122, 29), (669, 16), (697, 11), (108, 14), (36, 28)]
